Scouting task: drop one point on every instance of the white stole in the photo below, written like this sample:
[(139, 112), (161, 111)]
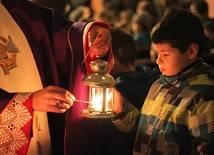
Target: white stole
[(19, 73)]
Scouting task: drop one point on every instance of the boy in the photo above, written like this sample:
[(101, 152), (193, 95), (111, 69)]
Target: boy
[(178, 114)]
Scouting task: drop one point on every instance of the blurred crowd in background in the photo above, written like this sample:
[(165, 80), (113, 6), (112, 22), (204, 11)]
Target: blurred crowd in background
[(137, 17)]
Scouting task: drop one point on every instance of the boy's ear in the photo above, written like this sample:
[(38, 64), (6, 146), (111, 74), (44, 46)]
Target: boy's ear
[(193, 51)]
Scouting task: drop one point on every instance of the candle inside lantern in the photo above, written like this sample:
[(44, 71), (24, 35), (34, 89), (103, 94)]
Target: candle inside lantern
[(100, 102), (96, 99)]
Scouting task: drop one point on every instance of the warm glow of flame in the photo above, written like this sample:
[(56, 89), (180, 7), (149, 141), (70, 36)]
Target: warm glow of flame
[(96, 102), (97, 99)]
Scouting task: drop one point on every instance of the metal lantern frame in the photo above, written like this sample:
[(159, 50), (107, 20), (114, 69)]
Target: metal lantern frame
[(101, 91)]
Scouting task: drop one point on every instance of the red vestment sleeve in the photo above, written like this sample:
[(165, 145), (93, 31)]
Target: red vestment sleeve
[(16, 125)]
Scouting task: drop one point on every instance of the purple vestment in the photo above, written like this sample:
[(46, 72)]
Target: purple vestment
[(49, 35)]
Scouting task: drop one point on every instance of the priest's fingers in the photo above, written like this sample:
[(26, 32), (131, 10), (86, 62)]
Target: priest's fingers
[(99, 40), (52, 99)]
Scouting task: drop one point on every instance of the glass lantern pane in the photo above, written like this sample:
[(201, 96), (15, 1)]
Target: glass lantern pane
[(96, 99), (101, 100), (109, 100)]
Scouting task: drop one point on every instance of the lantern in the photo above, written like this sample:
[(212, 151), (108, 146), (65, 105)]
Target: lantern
[(101, 87)]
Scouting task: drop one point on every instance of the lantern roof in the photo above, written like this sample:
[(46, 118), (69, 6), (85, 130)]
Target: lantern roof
[(99, 77)]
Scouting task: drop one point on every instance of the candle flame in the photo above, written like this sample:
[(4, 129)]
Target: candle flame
[(98, 100)]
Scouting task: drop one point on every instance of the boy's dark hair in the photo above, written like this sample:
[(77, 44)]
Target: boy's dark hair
[(180, 28), (123, 46)]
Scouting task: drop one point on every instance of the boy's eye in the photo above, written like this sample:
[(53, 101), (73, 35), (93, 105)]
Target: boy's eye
[(166, 54)]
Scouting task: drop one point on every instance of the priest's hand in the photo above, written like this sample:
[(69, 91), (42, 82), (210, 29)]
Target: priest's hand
[(99, 39), (52, 99)]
